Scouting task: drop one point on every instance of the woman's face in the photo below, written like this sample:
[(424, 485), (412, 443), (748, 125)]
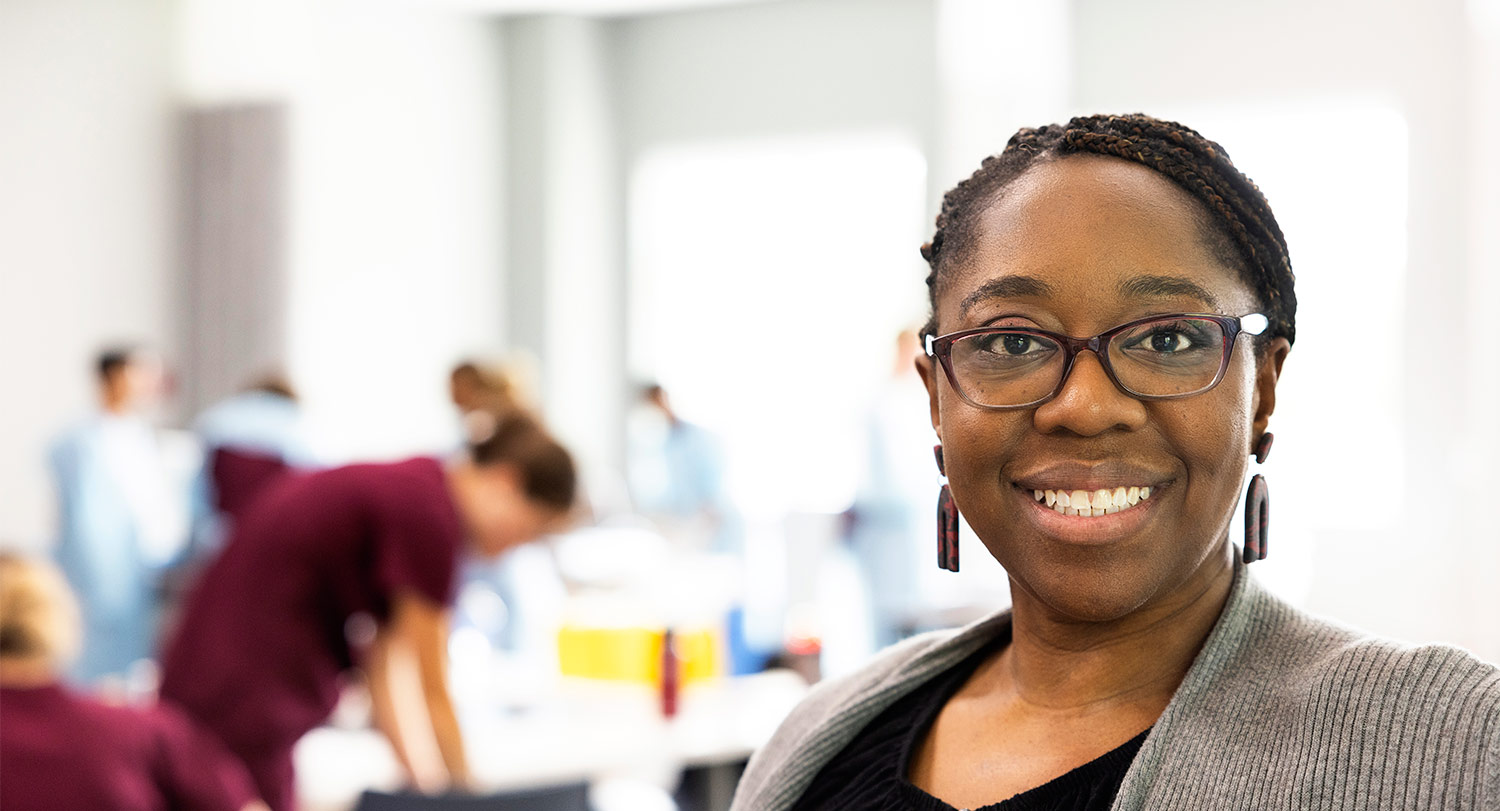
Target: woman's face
[(1078, 246), (502, 517)]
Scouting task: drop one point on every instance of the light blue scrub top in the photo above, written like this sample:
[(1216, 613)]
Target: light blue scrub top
[(112, 491)]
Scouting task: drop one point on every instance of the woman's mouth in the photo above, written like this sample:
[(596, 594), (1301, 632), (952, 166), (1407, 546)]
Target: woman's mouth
[(1093, 503), (1092, 512)]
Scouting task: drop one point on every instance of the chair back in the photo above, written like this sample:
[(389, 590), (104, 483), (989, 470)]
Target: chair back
[(570, 797)]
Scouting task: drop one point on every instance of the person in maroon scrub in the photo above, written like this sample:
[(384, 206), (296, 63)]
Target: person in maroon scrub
[(262, 649), (63, 750)]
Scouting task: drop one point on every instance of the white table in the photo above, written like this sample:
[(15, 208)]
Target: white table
[(585, 731)]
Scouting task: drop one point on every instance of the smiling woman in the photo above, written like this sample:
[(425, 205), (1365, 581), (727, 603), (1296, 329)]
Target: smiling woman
[(1112, 303)]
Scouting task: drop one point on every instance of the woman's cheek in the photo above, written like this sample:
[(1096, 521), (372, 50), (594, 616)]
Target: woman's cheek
[(976, 451)]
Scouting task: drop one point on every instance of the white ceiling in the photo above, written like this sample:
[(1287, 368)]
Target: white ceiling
[(595, 8)]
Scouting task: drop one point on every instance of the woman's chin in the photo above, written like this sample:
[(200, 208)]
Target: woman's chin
[(1105, 588), (1092, 595)]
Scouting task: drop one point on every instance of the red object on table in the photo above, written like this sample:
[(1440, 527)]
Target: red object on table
[(670, 672)]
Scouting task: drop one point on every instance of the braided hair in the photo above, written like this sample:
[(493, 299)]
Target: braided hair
[(1241, 229)]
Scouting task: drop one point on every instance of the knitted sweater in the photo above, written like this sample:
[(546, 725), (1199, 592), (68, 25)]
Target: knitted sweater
[(1280, 710)]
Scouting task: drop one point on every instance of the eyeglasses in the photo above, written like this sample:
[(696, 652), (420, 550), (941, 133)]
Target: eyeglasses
[(1163, 357)]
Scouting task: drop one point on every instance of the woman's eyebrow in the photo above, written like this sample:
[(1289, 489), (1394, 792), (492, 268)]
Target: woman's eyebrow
[(1165, 287), (1151, 286), (1007, 287)]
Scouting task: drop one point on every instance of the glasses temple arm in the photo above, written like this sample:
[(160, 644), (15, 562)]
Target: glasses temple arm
[(1253, 324)]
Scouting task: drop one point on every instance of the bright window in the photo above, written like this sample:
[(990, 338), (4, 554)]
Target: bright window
[(768, 282)]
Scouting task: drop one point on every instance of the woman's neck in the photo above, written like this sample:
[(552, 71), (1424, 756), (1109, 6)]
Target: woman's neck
[(1057, 664), (26, 672)]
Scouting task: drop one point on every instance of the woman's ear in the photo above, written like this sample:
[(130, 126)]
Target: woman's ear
[(927, 368), (1267, 373), (503, 474)]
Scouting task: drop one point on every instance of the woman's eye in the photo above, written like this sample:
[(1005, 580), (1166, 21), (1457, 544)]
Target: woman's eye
[(1170, 341), (1011, 344), (1016, 344)]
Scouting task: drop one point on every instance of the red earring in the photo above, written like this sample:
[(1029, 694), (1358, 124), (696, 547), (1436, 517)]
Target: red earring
[(1258, 506), (947, 521), (1263, 447)]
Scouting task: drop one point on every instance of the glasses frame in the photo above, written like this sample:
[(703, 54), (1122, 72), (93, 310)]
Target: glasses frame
[(941, 349)]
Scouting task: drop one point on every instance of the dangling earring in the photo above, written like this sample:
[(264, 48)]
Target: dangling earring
[(1258, 506), (947, 521)]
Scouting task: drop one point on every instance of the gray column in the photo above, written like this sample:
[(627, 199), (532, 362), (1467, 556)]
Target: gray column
[(565, 220), (234, 226)]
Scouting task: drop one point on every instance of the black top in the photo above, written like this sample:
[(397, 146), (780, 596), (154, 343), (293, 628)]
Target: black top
[(870, 773)]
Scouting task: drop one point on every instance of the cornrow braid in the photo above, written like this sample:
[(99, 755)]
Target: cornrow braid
[(1237, 212)]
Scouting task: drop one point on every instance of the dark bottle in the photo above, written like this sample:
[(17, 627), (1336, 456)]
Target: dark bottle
[(669, 674)]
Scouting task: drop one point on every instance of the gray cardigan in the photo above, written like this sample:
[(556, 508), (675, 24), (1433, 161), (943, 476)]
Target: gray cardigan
[(1280, 710)]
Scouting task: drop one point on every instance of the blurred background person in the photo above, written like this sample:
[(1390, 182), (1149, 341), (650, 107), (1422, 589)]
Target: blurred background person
[(120, 518), (890, 520), (488, 388), (675, 471), (512, 598), (62, 750), (247, 440), (262, 646)]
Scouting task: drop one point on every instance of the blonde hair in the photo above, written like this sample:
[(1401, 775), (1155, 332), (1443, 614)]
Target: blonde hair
[(499, 388), (38, 615)]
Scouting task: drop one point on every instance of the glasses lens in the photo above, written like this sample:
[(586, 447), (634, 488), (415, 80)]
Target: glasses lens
[(1169, 357), (1006, 367)]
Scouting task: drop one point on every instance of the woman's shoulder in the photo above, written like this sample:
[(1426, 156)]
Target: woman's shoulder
[(837, 709), (1330, 661), (1402, 669), (1422, 692), (1281, 693), (1285, 704), (55, 711)]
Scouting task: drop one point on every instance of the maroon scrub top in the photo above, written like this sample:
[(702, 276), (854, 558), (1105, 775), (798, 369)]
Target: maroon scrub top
[(59, 749), (261, 644), (239, 476)]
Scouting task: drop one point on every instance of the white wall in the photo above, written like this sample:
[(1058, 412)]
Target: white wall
[(395, 266), (86, 252), (1412, 577), (815, 66), (986, 92), (1480, 429)]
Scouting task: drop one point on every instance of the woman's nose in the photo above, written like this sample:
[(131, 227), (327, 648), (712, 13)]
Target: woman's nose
[(1090, 403)]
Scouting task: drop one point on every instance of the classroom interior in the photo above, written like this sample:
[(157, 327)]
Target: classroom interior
[(724, 199)]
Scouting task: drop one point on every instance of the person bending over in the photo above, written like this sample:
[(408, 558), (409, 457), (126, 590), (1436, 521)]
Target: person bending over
[(263, 648)]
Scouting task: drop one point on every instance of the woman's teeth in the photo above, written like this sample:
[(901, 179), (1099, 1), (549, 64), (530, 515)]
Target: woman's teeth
[(1091, 503)]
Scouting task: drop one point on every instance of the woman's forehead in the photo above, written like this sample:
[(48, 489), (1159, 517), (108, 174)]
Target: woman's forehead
[(1092, 231)]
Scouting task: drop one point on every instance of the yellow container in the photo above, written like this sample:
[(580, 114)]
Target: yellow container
[(634, 654)]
